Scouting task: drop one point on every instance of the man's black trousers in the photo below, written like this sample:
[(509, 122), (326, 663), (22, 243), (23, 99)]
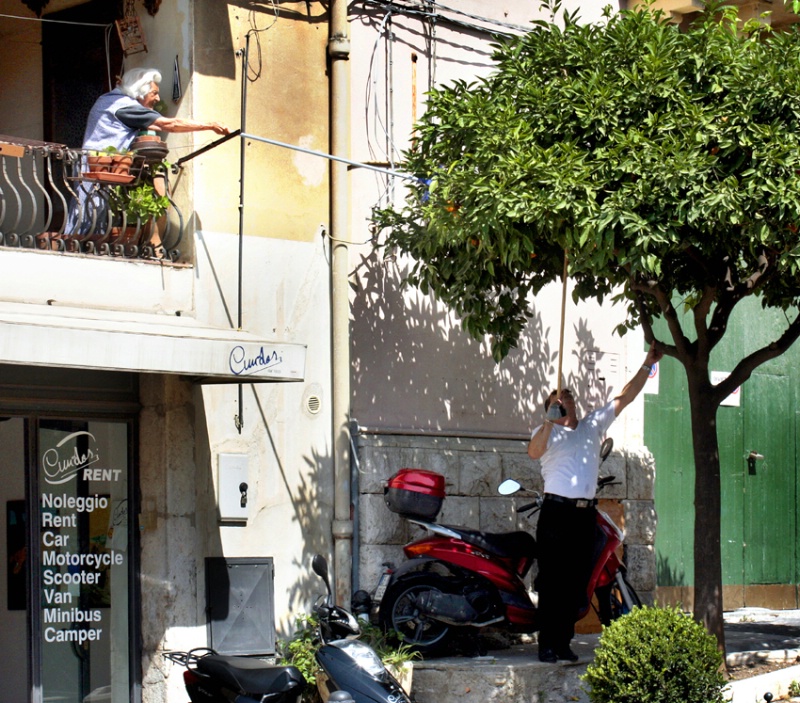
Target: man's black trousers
[(565, 541)]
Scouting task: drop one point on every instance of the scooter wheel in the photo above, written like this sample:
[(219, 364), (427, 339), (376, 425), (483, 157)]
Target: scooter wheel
[(612, 602), (399, 611)]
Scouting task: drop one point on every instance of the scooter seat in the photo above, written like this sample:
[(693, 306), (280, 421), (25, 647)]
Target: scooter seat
[(507, 545), (251, 676)]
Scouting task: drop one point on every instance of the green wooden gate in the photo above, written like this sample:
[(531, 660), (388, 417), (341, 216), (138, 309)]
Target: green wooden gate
[(759, 495)]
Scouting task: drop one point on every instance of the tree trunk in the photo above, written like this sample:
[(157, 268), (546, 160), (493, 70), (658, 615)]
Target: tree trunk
[(707, 504)]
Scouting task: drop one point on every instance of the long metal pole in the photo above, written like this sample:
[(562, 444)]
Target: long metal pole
[(331, 157), (242, 161), (563, 318), (339, 56)]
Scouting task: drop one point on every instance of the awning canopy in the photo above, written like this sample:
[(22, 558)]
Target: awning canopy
[(34, 335)]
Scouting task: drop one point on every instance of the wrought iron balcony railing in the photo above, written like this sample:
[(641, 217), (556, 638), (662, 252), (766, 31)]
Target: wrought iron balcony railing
[(52, 199)]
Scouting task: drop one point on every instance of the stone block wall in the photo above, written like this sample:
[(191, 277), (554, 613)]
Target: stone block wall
[(473, 468)]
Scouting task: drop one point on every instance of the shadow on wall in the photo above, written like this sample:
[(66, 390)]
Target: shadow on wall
[(213, 21), (414, 367), (312, 509), (668, 575)]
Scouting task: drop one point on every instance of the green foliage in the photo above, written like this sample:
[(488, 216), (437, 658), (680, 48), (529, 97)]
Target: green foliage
[(112, 150), (654, 156), (140, 201), (143, 201), (655, 655), (387, 645), (300, 649)]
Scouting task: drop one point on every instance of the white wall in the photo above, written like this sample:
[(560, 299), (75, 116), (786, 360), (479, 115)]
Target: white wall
[(413, 367), (288, 446)]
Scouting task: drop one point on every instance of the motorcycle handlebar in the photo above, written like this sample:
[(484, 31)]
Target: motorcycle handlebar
[(535, 505), (528, 506)]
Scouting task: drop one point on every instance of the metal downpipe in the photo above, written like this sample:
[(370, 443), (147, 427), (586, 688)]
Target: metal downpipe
[(339, 56)]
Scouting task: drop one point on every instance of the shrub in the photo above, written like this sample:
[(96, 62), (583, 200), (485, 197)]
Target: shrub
[(656, 655), (301, 648)]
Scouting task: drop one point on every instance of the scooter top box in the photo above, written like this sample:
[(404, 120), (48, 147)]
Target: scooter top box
[(415, 493)]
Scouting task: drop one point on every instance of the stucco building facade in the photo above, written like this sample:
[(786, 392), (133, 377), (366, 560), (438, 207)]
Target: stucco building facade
[(272, 345)]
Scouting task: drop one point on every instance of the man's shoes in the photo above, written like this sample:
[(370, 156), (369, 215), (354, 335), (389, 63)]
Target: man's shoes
[(548, 655), (567, 654)]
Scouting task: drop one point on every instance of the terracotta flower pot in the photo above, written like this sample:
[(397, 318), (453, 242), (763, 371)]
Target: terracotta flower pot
[(151, 150), (100, 164), (121, 163)]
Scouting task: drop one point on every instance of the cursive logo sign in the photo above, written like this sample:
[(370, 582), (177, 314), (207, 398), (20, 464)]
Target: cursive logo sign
[(60, 463), (243, 365)]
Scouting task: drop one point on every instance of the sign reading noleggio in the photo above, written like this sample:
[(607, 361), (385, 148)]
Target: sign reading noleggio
[(76, 562)]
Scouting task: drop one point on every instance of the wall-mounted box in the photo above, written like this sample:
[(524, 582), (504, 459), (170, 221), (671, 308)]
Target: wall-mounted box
[(240, 604), (233, 487)]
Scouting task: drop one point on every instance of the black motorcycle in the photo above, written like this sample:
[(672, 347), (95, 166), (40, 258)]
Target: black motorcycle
[(351, 669)]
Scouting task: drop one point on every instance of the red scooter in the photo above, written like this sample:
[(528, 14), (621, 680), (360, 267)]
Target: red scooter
[(457, 579)]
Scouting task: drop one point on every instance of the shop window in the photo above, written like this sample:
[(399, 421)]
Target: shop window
[(82, 583)]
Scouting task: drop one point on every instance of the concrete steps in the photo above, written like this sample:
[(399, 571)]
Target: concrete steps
[(512, 675), (515, 674)]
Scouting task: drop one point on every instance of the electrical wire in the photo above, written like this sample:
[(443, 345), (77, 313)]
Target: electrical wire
[(480, 18), (254, 32), (372, 92), (108, 28), (43, 19), (432, 46), (431, 12), (502, 27)]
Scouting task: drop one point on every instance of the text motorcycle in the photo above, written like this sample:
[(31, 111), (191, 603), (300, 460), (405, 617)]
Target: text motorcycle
[(456, 579), (352, 671)]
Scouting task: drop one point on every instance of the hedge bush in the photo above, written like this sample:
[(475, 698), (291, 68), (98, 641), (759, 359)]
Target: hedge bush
[(656, 655)]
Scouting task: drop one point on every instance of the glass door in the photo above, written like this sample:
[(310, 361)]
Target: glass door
[(82, 579)]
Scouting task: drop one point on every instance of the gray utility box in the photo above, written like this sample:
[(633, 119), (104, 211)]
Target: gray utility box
[(240, 602)]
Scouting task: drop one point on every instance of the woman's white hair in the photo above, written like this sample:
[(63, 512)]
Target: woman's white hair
[(136, 82)]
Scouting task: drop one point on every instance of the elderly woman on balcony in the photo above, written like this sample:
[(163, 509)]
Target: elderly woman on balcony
[(117, 116), (114, 120)]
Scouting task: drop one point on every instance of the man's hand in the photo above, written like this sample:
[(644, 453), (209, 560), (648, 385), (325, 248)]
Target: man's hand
[(554, 411), (220, 128), (654, 355), (635, 385)]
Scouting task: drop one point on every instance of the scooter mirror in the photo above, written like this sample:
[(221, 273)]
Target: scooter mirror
[(509, 486), (605, 448), (320, 567)]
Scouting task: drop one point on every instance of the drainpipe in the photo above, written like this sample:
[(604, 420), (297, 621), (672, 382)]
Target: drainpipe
[(339, 56)]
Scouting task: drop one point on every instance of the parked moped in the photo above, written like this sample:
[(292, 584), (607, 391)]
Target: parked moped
[(351, 669), (458, 579), (348, 664), (215, 678)]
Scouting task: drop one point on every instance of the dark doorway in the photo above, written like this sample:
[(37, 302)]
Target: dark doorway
[(77, 60)]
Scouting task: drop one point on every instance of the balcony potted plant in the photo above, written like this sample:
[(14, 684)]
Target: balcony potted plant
[(144, 202), (142, 205), (110, 160)]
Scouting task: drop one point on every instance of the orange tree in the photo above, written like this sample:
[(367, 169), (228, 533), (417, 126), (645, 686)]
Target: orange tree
[(665, 162)]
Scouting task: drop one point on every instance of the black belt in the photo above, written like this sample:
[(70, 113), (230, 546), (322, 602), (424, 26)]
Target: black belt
[(575, 502)]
